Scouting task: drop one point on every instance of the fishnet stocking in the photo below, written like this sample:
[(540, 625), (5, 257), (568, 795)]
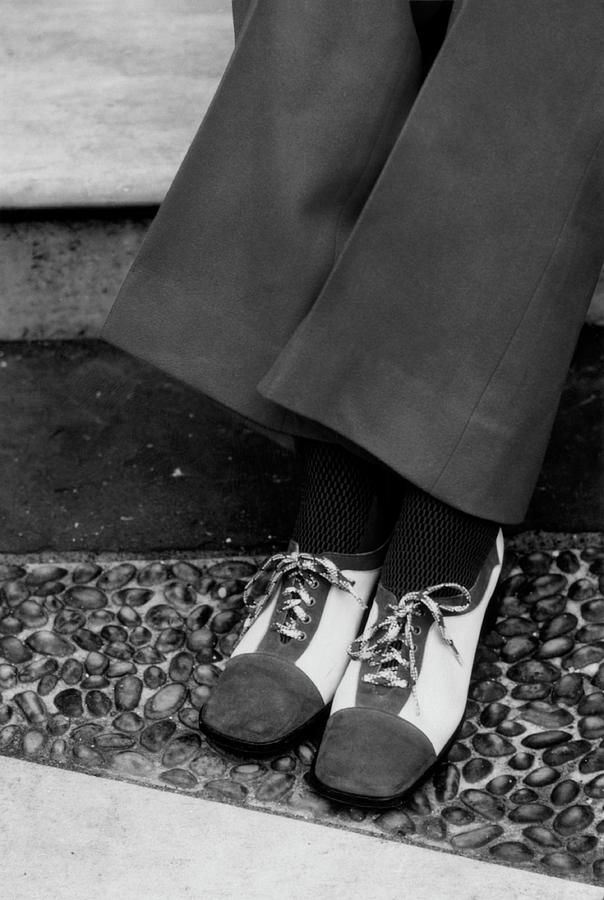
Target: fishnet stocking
[(347, 504), (433, 542)]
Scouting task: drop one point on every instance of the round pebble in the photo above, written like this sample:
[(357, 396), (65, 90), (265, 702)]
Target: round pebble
[(154, 677), (43, 573), (47, 684), (127, 691), (511, 851), (182, 749), (32, 706), (547, 715), (85, 598), (477, 769), (155, 736), (237, 570), (165, 702), (140, 636), (10, 737), (128, 617), (501, 784), (179, 778), (561, 861), (69, 702), (396, 821), (550, 606), (128, 722), (558, 756), (8, 676), (446, 783), (72, 671), (68, 621), (457, 816), (130, 762), (49, 643), (556, 647), (169, 640), (162, 616), (181, 596), (565, 792), (584, 656), (487, 691), (33, 742), (592, 762), (483, 804), (569, 689), (567, 562), (120, 667), (593, 610), (477, 837), (14, 592), (519, 647), (98, 704), (541, 777), (13, 650), (594, 788), (223, 789), (87, 639), (199, 617), (542, 739), (181, 667), (152, 574), (188, 573), (541, 835), (85, 572), (492, 745), (573, 819), (493, 714), (11, 625), (582, 843), (533, 671), (189, 717), (223, 622), (116, 577), (275, 786), (521, 761), (133, 597), (111, 740), (31, 614)]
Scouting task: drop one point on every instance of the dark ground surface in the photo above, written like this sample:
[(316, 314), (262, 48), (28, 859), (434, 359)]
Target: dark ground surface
[(155, 466)]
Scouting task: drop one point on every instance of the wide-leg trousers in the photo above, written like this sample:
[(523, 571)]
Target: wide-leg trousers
[(355, 252)]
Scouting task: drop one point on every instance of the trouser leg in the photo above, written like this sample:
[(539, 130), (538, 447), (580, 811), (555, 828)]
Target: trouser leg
[(306, 112), (456, 303)]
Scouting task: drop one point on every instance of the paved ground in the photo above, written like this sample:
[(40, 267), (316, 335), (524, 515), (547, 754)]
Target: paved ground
[(104, 667), (101, 452)]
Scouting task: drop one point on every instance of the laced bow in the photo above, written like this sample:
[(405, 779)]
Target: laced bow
[(383, 644), (297, 569)]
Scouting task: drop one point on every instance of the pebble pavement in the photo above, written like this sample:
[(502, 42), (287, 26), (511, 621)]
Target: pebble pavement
[(105, 665)]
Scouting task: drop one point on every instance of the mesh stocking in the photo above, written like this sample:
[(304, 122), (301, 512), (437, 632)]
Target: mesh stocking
[(347, 504), (432, 543)]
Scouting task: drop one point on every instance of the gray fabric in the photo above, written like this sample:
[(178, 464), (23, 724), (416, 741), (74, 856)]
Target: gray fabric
[(427, 318)]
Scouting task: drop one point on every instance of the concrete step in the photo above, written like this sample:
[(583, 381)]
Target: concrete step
[(101, 103), (101, 100), (148, 464)]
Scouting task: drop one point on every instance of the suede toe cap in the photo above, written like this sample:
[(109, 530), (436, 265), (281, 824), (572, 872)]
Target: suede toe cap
[(369, 754), (260, 699)]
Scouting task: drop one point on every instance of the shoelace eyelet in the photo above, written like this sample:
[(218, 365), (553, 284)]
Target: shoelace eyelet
[(301, 637), (312, 581)]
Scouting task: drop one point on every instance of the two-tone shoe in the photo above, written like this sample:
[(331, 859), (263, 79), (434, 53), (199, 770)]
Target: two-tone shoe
[(304, 611), (404, 691)]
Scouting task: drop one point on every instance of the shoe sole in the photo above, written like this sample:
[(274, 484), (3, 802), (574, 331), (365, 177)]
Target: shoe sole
[(368, 802), (266, 748)]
